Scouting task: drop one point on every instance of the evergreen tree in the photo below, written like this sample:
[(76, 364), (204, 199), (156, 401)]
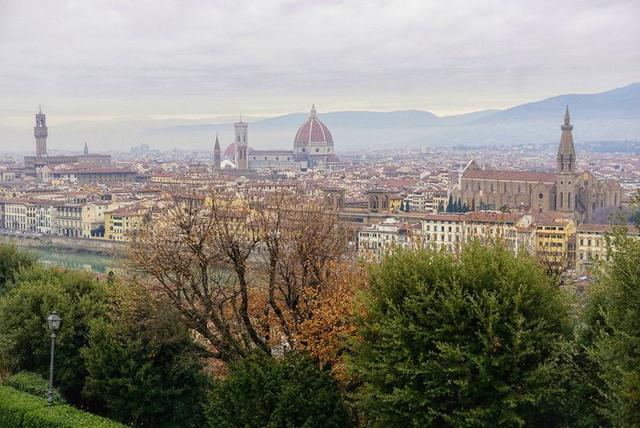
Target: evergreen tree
[(482, 339), (262, 391), (12, 261), (24, 335), (611, 336), (143, 367)]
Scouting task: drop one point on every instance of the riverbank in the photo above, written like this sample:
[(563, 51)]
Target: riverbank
[(84, 245), (72, 253)]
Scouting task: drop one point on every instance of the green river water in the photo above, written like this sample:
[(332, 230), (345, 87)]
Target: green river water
[(81, 260)]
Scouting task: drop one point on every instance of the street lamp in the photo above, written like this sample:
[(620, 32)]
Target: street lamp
[(53, 320)]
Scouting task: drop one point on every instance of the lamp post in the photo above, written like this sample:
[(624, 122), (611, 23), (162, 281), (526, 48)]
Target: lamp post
[(53, 320)]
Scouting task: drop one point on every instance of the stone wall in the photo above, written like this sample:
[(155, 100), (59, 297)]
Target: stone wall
[(99, 246)]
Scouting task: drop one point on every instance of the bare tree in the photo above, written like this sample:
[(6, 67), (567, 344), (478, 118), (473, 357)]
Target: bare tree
[(242, 273)]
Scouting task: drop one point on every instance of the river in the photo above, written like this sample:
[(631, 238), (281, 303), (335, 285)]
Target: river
[(74, 259)]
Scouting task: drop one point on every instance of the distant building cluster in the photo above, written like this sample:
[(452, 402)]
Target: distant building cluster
[(536, 202), (312, 149), (566, 190), (42, 162)]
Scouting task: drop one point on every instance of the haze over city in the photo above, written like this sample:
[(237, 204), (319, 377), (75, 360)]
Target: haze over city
[(148, 65), (319, 213)]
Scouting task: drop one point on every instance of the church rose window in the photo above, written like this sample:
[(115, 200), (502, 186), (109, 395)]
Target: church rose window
[(540, 196)]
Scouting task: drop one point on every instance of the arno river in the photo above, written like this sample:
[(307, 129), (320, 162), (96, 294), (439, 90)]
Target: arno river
[(76, 259)]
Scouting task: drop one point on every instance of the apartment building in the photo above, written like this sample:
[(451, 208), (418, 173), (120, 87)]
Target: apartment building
[(120, 223), (93, 219), (378, 239), (555, 239), (591, 244), (443, 230)]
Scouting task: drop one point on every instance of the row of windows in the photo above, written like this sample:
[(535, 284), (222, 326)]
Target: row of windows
[(493, 189), (277, 158), (596, 242)]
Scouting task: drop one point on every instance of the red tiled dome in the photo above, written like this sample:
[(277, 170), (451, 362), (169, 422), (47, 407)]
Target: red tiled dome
[(230, 151), (313, 131)]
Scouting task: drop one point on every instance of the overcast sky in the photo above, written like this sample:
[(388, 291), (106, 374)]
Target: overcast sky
[(205, 58)]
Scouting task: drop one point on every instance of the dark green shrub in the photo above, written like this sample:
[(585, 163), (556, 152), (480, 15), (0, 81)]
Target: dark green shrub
[(22, 410), (143, 366), (64, 416), (33, 384), (12, 261), (611, 338), (24, 336), (478, 339), (262, 391), (14, 404)]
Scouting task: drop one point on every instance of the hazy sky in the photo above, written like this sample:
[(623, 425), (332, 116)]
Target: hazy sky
[(202, 58)]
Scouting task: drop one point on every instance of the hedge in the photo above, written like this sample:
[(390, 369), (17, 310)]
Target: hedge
[(65, 416), (34, 384), (21, 410), (14, 404)]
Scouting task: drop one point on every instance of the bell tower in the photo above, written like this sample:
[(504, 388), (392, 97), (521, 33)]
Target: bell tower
[(216, 154), (566, 168), (40, 132), (242, 144)]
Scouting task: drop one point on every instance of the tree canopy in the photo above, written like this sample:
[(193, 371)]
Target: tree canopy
[(143, 366), (12, 261), (24, 335), (262, 391), (610, 336), (478, 339)]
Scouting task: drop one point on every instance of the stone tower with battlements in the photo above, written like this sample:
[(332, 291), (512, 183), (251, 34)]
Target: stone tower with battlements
[(40, 131)]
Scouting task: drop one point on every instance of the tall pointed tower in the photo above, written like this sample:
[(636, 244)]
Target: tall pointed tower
[(566, 168), (86, 149), (242, 144), (216, 154), (40, 131)]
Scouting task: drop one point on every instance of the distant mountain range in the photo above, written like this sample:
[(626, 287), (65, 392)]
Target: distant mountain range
[(606, 116), (611, 115)]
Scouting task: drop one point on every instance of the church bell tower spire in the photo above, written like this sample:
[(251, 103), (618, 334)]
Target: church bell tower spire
[(216, 154), (566, 159), (566, 168)]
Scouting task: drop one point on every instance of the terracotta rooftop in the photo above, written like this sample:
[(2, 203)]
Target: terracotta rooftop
[(492, 217), (604, 228), (494, 174)]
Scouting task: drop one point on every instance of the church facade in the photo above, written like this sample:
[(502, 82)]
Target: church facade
[(577, 193), (312, 149)]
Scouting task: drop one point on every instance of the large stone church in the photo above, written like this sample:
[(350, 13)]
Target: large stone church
[(312, 149), (577, 193)]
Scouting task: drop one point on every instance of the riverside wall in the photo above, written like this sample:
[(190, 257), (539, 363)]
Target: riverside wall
[(99, 246)]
